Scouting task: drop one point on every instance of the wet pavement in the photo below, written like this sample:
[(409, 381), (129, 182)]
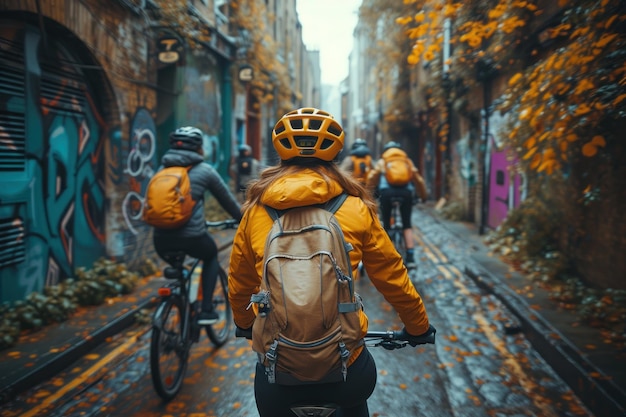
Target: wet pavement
[(517, 331)]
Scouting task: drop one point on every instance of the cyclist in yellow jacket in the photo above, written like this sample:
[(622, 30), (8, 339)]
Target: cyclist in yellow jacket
[(359, 162), (308, 140), (380, 181)]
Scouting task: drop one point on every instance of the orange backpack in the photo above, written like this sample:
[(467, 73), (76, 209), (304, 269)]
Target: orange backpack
[(398, 170), (168, 203), (361, 166)]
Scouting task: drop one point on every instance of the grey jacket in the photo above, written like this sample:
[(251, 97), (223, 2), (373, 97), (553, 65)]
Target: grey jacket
[(203, 178)]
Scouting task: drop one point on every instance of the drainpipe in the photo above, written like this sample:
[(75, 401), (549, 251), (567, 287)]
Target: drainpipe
[(227, 123), (485, 75)]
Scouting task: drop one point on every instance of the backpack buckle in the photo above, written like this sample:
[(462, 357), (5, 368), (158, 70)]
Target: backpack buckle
[(271, 356), (262, 299), (345, 354)]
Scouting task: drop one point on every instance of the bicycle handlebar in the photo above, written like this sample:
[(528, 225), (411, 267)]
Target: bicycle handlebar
[(396, 339), (223, 224), (389, 339)]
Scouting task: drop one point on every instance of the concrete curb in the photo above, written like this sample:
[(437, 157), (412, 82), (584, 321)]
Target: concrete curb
[(600, 394), (64, 359)]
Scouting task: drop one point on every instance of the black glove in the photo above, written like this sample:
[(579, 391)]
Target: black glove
[(427, 337), (240, 332)]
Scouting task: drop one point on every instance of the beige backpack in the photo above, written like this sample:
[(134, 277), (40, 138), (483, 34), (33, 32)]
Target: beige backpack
[(308, 313)]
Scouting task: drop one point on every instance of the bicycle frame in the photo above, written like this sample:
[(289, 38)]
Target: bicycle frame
[(174, 329), (187, 280), (395, 229)]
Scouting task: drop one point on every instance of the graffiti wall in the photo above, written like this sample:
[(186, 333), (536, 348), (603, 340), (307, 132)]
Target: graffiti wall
[(52, 166), (139, 163)]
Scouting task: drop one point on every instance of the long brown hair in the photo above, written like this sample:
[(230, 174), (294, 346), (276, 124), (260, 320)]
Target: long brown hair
[(329, 171)]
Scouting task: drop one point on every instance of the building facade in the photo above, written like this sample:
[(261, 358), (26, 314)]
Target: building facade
[(89, 91)]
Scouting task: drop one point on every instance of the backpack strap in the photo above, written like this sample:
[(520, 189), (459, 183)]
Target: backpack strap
[(334, 203)]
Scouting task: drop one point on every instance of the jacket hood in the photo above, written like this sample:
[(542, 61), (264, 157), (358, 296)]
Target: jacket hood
[(300, 189), (181, 157)]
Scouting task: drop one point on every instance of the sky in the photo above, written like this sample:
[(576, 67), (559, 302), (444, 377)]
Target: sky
[(327, 26)]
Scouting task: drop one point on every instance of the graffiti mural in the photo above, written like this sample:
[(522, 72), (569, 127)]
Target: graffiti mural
[(55, 199), (466, 160), (140, 166)]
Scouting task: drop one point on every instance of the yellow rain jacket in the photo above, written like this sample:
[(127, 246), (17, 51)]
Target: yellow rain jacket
[(361, 228)]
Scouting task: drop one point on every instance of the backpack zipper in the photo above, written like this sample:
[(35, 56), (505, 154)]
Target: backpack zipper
[(325, 340)]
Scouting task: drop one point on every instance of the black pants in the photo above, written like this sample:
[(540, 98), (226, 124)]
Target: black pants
[(201, 247), (386, 195), (273, 400)]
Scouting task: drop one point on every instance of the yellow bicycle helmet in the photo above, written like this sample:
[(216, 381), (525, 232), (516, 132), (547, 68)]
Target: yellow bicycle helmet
[(308, 132)]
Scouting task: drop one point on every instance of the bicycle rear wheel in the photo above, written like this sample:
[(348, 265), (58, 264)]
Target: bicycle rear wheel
[(168, 350), (219, 332), (398, 241)]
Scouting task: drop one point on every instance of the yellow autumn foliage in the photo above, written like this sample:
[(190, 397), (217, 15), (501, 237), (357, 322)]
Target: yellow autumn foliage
[(557, 101)]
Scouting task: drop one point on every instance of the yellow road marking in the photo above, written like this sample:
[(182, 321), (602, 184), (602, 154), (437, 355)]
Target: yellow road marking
[(36, 411), (514, 367), (432, 251), (509, 360)]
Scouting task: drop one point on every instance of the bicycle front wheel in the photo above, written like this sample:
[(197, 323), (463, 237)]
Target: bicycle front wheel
[(220, 331), (168, 348)]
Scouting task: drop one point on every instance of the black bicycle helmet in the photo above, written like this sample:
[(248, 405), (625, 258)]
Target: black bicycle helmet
[(359, 142), (392, 144), (188, 137), (244, 149), (308, 133)]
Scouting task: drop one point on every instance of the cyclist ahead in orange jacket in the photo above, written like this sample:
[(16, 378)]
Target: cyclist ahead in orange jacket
[(359, 162), (395, 175), (308, 140)]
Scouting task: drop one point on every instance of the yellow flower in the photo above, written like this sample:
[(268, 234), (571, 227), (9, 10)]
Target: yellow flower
[(489, 29), (530, 153), (496, 12), (583, 86), (549, 154), (530, 142), (598, 141), (605, 40), (589, 149), (514, 79), (510, 24), (619, 99), (536, 161), (582, 109), (610, 21), (548, 166)]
